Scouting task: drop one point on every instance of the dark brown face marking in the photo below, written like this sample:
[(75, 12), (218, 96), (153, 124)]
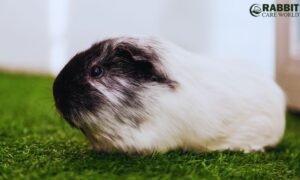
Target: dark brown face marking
[(106, 63)]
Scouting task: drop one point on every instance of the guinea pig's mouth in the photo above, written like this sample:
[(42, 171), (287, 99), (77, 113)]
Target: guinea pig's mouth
[(72, 108), (64, 105)]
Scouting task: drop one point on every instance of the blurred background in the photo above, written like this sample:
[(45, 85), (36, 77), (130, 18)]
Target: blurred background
[(41, 36)]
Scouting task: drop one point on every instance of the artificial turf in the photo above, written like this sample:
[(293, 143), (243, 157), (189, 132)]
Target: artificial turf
[(35, 143)]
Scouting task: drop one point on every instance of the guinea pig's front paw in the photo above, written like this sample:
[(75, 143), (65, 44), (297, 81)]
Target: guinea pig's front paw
[(124, 147), (244, 148), (254, 149), (134, 141), (137, 146)]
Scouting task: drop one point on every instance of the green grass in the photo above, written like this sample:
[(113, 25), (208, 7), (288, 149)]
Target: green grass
[(35, 143)]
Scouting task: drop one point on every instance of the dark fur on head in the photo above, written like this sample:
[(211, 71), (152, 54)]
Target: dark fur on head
[(74, 88)]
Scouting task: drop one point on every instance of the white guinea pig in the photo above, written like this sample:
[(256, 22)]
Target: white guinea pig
[(139, 95)]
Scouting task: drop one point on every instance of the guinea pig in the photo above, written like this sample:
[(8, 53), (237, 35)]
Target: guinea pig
[(147, 95)]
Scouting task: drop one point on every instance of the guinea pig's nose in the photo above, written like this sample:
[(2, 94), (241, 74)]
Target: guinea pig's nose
[(60, 95), (63, 108), (62, 100), (63, 105), (56, 89), (57, 101)]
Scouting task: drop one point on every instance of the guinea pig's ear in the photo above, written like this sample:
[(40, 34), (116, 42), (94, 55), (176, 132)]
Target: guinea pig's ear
[(123, 52), (144, 63), (139, 59), (130, 52)]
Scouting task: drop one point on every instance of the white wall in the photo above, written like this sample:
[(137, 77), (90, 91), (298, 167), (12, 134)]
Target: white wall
[(43, 35), (24, 36), (222, 29)]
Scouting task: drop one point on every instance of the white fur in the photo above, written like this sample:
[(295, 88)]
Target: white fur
[(217, 105)]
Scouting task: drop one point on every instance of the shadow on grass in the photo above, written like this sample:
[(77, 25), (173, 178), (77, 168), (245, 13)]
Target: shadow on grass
[(55, 156), (175, 163)]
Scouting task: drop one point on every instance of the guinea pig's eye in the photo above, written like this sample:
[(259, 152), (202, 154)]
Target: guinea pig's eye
[(96, 71)]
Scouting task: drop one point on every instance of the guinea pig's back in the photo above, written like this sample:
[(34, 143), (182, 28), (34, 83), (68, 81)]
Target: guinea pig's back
[(223, 98)]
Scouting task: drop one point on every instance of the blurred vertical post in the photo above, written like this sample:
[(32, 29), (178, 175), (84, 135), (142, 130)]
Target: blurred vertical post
[(58, 12)]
